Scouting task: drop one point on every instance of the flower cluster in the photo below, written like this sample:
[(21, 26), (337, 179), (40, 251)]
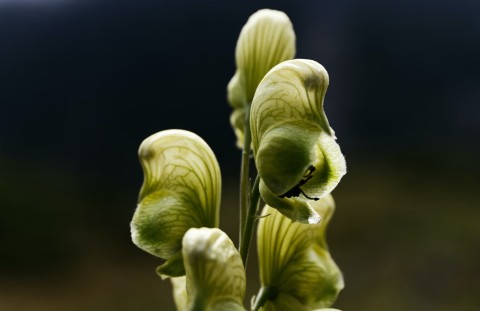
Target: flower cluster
[(277, 115)]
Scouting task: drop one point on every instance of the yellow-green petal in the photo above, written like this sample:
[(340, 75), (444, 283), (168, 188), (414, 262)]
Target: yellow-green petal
[(293, 208), (214, 271), (181, 190), (295, 264), (266, 40), (293, 144), (179, 285)]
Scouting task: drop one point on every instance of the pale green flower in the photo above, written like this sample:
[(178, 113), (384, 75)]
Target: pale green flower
[(181, 190), (215, 276), (295, 151), (266, 40), (296, 270)]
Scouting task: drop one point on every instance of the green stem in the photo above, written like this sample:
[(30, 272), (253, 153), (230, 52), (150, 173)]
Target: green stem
[(244, 173), (250, 221), (265, 294)]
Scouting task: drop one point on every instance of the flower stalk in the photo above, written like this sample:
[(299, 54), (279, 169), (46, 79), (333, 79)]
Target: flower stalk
[(245, 175), (251, 216), (264, 295)]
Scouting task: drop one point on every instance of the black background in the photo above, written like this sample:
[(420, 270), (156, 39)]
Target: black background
[(82, 83)]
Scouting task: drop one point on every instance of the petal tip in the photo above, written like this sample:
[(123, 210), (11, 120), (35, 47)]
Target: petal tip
[(314, 219)]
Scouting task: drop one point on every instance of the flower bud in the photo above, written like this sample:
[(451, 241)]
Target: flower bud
[(295, 151), (181, 190), (266, 40)]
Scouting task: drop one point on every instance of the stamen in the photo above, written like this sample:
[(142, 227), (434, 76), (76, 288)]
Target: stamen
[(305, 195)]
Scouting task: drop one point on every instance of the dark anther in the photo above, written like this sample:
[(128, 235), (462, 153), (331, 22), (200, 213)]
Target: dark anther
[(296, 191)]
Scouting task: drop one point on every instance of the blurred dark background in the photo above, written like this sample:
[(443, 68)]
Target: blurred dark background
[(82, 83)]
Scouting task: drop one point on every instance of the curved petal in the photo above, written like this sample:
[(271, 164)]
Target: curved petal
[(181, 190), (294, 260), (266, 40), (295, 150), (179, 285), (214, 271), (298, 209)]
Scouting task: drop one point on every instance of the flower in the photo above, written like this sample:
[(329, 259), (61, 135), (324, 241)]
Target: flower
[(294, 147), (181, 190), (296, 269), (266, 40), (215, 276)]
